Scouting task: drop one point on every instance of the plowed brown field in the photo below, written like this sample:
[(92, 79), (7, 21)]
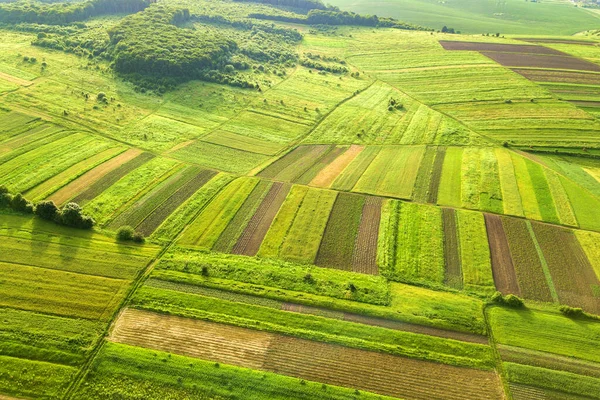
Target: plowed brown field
[(507, 48), (364, 259), (503, 270)]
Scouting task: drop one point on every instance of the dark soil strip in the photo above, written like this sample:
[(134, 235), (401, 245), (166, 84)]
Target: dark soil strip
[(505, 277), (111, 178), (436, 175), (162, 212), (454, 276), (324, 161), (585, 103), (238, 223), (573, 276), (526, 262), (542, 61), (507, 48), (542, 75), (364, 259), (254, 233), (337, 245), (407, 327), (549, 361), (423, 181)]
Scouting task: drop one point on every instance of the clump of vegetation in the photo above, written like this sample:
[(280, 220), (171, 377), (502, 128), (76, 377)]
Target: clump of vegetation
[(509, 300), (394, 104), (70, 215), (576, 312), (128, 234)]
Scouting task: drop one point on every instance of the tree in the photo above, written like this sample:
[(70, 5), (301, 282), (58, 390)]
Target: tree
[(46, 210), (71, 215), (125, 233), (19, 203)]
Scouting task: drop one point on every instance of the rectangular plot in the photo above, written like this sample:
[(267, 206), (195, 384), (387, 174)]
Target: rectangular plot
[(505, 277), (138, 211), (300, 160), (453, 276), (450, 183), (436, 175), (58, 292), (542, 61), (528, 267), (256, 230), (529, 201), (564, 210), (393, 172), (542, 192), (511, 199), (101, 178), (544, 75), (244, 143), (285, 162), (337, 245), (57, 181), (590, 242), (573, 276), (350, 176), (585, 205), (238, 223), (475, 252), (364, 258), (162, 212), (38, 132), (327, 175), (419, 245), (304, 237), (320, 163), (212, 221), (423, 183)]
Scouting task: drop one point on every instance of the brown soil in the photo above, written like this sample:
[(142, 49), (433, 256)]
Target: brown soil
[(406, 327), (436, 176), (524, 392), (379, 373), (541, 75), (503, 269), (572, 274), (364, 259), (506, 48), (256, 230), (453, 276), (84, 181), (190, 337), (328, 174), (162, 212), (588, 104), (542, 61)]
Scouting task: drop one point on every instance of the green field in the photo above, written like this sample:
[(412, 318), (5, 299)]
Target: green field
[(282, 200)]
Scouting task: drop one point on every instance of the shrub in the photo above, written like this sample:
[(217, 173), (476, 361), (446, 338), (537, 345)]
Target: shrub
[(21, 204), (572, 312), (509, 300), (46, 210), (5, 200), (138, 237), (71, 215), (101, 96), (125, 233)]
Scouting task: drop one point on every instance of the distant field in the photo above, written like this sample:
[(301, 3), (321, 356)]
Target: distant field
[(473, 16)]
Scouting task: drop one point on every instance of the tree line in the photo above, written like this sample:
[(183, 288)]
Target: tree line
[(66, 13)]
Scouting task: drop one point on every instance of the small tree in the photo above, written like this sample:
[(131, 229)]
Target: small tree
[(125, 233), (46, 210), (71, 215)]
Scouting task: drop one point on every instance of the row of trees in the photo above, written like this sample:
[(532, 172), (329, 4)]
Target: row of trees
[(70, 215), (65, 13)]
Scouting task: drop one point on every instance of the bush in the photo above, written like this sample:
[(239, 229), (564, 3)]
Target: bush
[(138, 237), (572, 312), (125, 233), (20, 204), (46, 210), (509, 300), (72, 216), (5, 200)]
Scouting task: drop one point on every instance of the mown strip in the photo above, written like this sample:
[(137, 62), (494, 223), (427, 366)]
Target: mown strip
[(453, 272)]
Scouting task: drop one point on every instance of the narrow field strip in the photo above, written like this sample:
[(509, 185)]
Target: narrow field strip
[(338, 242), (505, 277), (255, 231), (327, 175), (364, 258), (163, 211), (49, 186), (320, 163), (230, 236), (294, 164), (301, 358), (102, 175), (453, 275), (436, 175), (32, 135), (423, 182), (355, 169)]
